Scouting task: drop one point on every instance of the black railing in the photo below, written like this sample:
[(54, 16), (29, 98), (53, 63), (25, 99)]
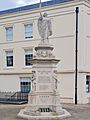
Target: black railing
[(17, 97), (20, 96)]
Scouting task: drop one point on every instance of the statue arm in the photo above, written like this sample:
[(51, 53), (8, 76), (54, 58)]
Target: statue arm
[(39, 25), (50, 26)]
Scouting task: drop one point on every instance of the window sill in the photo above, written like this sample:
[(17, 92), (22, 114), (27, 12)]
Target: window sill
[(87, 92), (9, 41), (8, 68), (27, 67), (28, 38)]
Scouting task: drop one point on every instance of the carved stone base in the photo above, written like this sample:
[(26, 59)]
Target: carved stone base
[(44, 115), (44, 99)]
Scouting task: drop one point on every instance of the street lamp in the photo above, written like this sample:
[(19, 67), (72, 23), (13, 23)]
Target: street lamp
[(76, 54)]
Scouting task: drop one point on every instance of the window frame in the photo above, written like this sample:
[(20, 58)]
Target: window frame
[(26, 31), (9, 35), (87, 84), (28, 52), (25, 84), (7, 54), (25, 88)]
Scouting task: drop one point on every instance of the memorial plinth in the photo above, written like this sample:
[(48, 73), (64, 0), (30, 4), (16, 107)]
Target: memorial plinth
[(44, 98)]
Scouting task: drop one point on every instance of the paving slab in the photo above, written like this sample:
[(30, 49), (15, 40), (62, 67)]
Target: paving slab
[(78, 112)]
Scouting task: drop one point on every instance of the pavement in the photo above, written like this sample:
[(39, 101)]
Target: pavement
[(78, 112)]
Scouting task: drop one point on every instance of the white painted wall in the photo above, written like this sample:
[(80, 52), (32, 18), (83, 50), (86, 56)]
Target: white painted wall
[(63, 39), (9, 83), (66, 82)]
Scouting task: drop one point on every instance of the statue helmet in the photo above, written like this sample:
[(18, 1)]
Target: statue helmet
[(45, 15)]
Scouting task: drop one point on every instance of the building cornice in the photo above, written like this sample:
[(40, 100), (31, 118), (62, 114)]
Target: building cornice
[(57, 72), (72, 71), (33, 6), (45, 5), (16, 73)]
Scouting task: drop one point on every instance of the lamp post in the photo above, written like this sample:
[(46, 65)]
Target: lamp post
[(76, 54)]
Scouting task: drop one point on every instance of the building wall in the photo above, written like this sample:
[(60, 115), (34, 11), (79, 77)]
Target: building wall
[(9, 83), (63, 18), (83, 54), (66, 87)]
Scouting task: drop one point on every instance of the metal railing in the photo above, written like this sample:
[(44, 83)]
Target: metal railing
[(20, 96), (17, 96)]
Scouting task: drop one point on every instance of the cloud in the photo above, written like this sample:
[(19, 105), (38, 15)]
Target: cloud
[(26, 2), (21, 2)]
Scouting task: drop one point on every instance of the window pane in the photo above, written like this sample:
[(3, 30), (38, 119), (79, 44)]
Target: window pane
[(87, 84), (9, 33), (28, 31), (27, 59), (29, 83), (25, 87), (9, 58), (23, 83), (28, 56), (26, 83)]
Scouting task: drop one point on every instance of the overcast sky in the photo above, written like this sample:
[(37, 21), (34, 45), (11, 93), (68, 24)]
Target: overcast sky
[(8, 4)]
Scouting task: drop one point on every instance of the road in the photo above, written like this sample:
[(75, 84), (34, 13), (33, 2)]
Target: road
[(78, 112)]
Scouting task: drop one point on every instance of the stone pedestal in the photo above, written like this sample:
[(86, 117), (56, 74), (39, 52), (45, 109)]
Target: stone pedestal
[(44, 98)]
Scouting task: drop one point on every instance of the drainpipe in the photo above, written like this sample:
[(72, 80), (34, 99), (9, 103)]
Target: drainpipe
[(76, 54)]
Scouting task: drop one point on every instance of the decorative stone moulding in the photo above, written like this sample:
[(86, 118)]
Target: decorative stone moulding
[(44, 98)]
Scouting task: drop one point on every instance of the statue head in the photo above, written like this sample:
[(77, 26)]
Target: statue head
[(45, 15)]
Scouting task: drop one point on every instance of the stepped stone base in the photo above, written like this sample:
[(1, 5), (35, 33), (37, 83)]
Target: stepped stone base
[(44, 98), (44, 115)]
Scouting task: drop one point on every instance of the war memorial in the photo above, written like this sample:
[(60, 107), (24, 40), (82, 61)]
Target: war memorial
[(44, 98)]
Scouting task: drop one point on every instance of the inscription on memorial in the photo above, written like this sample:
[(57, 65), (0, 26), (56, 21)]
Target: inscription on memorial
[(44, 72), (43, 87), (44, 79), (44, 99)]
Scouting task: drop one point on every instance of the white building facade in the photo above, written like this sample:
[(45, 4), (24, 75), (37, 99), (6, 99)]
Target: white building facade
[(19, 35)]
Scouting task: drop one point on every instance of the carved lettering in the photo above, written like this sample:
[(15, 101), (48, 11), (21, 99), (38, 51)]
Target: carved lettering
[(43, 87), (44, 79)]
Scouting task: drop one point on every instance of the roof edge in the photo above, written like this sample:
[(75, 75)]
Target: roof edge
[(33, 6)]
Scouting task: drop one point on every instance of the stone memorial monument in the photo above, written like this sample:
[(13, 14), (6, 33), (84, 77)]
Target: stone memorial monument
[(44, 98)]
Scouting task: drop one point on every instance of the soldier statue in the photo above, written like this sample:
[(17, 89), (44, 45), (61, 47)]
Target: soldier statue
[(44, 28)]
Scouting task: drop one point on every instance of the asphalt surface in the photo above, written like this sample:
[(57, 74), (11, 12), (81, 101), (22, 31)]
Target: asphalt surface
[(78, 112)]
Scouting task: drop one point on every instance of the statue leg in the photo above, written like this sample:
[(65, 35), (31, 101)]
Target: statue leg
[(46, 41)]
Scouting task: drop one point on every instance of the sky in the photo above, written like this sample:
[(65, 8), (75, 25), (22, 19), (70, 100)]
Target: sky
[(9, 4)]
